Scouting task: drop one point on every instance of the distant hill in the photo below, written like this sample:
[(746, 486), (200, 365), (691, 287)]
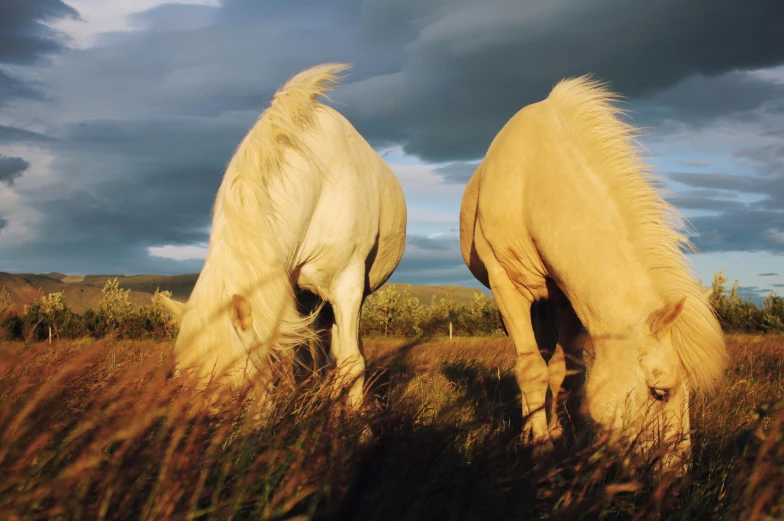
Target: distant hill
[(24, 287), (82, 293), (180, 285)]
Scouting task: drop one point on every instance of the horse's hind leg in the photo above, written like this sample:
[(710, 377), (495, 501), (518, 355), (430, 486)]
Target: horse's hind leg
[(530, 367), (568, 328), (556, 371), (347, 293)]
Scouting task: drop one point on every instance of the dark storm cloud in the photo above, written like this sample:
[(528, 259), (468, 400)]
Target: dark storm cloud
[(129, 186), (470, 66), (456, 173), (698, 100), (18, 135), (154, 115), (25, 38), (12, 88), (24, 35), (11, 168), (3, 224)]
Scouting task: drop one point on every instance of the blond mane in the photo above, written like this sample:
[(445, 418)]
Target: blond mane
[(655, 227)]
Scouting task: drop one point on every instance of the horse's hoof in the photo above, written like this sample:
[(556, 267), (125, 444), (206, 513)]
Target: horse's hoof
[(543, 449), (556, 432), (366, 436), (556, 479)]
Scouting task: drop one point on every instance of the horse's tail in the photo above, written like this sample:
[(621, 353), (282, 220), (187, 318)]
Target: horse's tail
[(282, 124), (252, 220)]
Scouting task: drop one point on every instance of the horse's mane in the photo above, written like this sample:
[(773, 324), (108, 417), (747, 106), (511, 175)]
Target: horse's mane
[(246, 253), (655, 227)]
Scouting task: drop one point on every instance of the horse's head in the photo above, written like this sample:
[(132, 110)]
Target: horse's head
[(636, 378), (214, 342)]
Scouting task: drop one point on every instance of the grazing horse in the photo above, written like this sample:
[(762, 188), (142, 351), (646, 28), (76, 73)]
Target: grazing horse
[(305, 206), (562, 208)]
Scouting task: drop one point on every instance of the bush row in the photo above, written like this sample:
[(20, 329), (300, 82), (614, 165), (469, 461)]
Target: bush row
[(387, 312)]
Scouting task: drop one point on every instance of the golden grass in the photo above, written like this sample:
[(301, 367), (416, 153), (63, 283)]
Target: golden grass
[(101, 430)]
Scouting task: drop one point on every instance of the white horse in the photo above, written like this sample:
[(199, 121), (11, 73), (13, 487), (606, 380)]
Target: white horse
[(305, 205), (561, 208)]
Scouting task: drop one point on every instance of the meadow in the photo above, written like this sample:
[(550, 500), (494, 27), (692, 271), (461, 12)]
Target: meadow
[(100, 429)]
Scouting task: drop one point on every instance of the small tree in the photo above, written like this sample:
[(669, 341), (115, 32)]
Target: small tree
[(46, 309), (5, 300), (381, 308), (156, 318), (408, 319), (116, 305), (54, 310), (773, 313)]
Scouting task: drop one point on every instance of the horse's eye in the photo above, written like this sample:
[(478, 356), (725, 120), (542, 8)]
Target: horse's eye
[(659, 394)]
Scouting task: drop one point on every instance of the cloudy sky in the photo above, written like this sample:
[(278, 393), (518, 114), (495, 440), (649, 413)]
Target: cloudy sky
[(118, 116)]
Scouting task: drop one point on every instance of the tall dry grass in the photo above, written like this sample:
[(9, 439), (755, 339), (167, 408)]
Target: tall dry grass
[(102, 430)]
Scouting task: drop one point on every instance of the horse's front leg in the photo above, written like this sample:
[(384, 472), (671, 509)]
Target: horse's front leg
[(347, 292), (530, 368)]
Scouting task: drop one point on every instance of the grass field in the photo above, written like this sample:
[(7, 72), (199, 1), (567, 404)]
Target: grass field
[(99, 430)]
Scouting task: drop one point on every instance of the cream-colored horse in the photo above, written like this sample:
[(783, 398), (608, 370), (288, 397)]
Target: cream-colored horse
[(305, 205), (561, 208)]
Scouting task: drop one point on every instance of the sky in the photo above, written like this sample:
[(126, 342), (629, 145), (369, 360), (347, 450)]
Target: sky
[(117, 117)]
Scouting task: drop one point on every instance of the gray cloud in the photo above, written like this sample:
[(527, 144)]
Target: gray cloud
[(696, 163), (433, 261), (770, 274), (25, 39), (25, 35), (3, 224), (12, 87), (754, 293), (469, 67), (456, 173), (11, 168), (699, 99), (131, 186), (174, 17), (17, 135), (735, 225), (145, 121), (767, 160)]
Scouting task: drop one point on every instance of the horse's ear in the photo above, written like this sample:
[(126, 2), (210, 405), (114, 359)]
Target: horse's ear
[(177, 309), (662, 319), (241, 313)]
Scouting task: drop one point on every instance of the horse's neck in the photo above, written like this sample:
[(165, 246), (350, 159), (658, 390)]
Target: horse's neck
[(608, 286)]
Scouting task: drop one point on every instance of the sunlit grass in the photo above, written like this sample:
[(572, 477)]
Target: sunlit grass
[(102, 430)]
